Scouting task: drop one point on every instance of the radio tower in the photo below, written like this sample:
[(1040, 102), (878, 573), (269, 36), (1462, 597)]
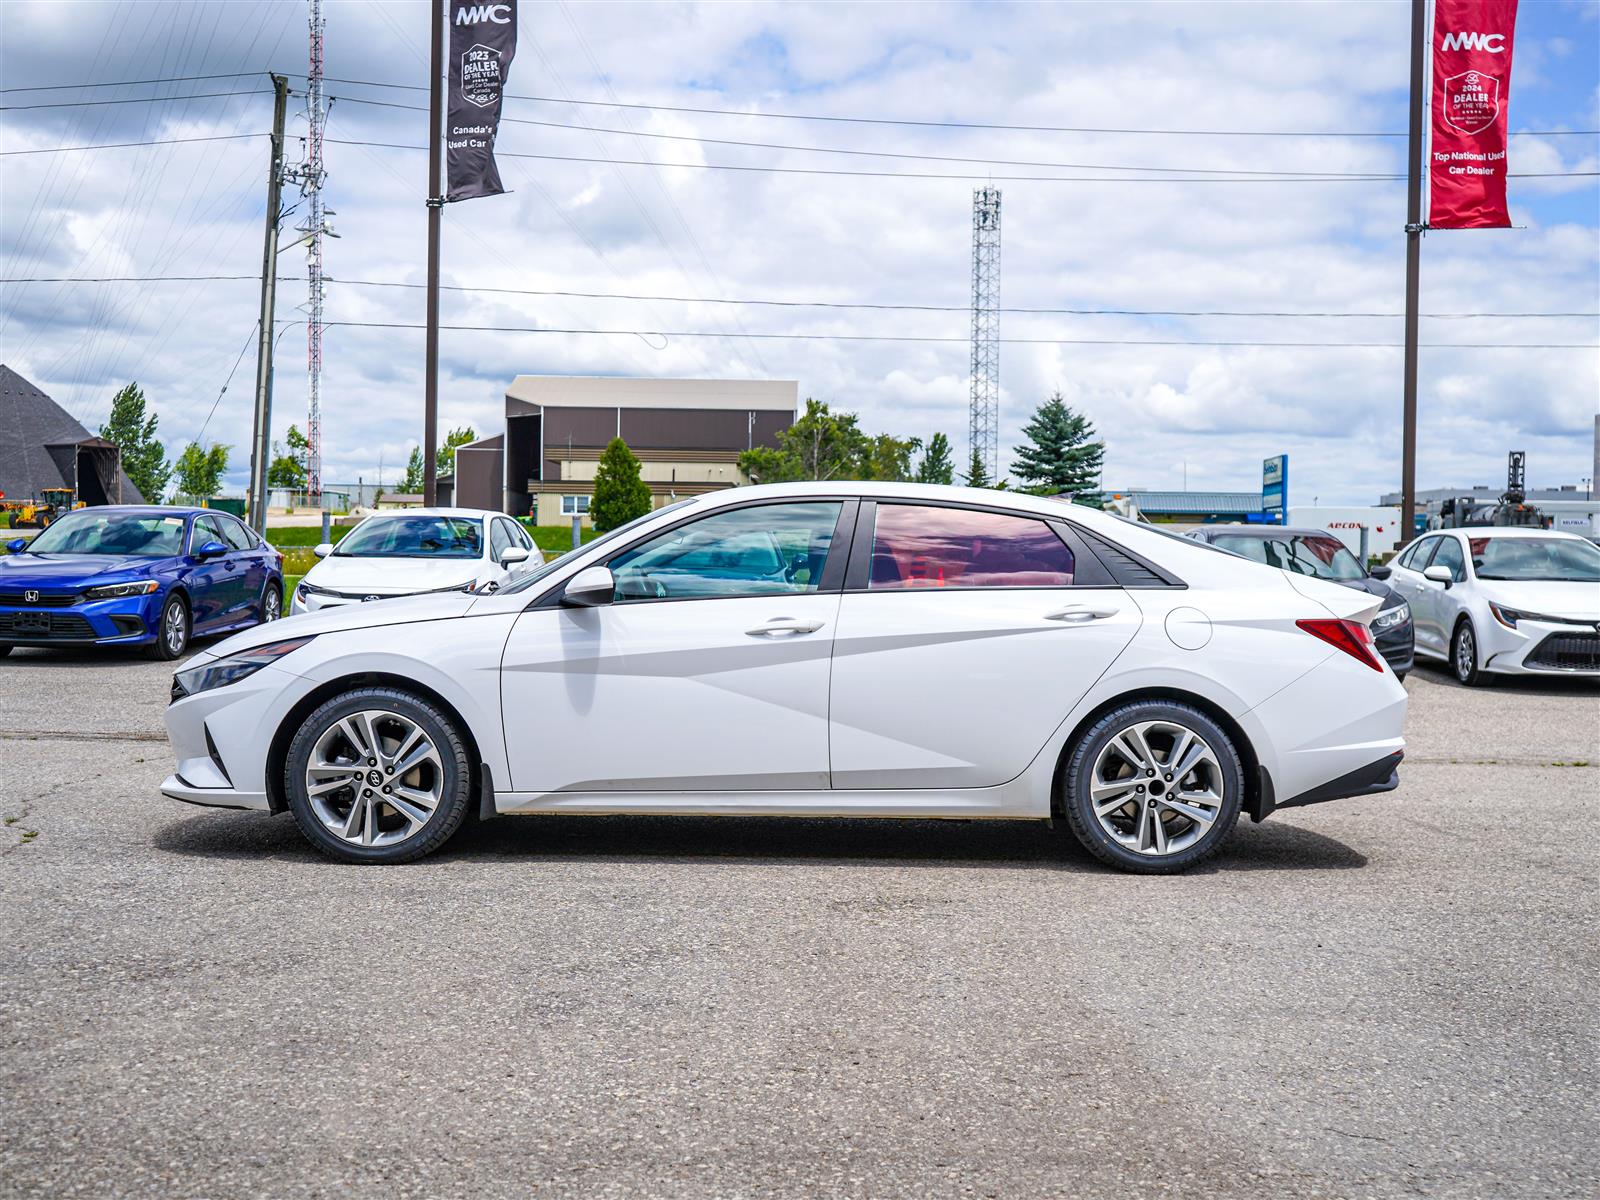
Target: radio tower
[(984, 417), (314, 226)]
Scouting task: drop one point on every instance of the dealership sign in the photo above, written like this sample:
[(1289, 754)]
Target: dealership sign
[(1471, 84), (483, 41), (1275, 485)]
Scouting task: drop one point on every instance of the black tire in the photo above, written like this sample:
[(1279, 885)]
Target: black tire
[(265, 612), (1079, 770), (456, 782), (172, 640), (1464, 663), (4, 650), (1400, 676)]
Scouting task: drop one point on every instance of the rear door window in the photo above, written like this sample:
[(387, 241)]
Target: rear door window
[(923, 546), (234, 534)]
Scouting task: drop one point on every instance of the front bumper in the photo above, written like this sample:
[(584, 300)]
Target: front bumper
[(304, 602), (221, 739), (1397, 647), (1542, 648), (127, 621)]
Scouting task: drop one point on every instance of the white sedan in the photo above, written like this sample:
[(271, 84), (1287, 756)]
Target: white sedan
[(1492, 600), (882, 650), (416, 551)]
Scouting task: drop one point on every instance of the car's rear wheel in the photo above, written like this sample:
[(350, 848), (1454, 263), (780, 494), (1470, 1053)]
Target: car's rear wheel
[(1153, 787), (1464, 656), (172, 634), (378, 776), (271, 604)]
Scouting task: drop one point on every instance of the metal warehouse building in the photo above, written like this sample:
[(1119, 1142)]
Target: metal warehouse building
[(687, 433)]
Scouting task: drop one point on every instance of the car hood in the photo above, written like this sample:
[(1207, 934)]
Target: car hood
[(1550, 598), (401, 611), (71, 570), (392, 576)]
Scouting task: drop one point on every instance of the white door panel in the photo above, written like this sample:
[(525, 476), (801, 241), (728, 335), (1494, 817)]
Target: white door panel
[(691, 695), (970, 697)]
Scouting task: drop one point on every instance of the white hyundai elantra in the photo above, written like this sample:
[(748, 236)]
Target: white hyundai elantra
[(883, 650)]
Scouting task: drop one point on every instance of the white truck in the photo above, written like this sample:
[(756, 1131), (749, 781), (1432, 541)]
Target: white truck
[(1382, 526)]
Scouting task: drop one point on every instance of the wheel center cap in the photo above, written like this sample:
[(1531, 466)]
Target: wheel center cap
[(374, 778), (1156, 787)]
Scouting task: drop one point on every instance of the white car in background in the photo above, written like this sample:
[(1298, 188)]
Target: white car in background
[(1491, 600), (848, 649), (412, 552)]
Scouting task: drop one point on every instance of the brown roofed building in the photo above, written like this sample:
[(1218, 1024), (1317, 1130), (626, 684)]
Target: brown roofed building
[(687, 433)]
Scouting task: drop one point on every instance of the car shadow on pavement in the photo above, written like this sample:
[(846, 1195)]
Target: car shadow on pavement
[(763, 840), (1511, 685)]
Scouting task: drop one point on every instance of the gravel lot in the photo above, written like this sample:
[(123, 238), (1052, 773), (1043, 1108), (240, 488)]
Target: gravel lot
[(1387, 996)]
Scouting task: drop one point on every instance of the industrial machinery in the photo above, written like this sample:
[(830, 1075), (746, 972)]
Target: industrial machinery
[(1460, 512), (37, 514)]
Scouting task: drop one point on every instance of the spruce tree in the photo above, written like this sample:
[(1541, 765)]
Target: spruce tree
[(1061, 453), (936, 466), (144, 458), (620, 494), (977, 472)]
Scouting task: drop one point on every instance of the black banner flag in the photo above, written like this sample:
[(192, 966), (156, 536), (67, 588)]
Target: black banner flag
[(483, 41)]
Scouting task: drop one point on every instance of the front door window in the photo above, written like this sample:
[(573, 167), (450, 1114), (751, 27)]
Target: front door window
[(768, 549)]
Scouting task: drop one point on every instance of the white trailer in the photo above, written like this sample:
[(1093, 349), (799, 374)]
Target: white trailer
[(1382, 526)]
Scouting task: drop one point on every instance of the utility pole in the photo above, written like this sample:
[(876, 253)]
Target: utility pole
[(430, 394), (1408, 433), (261, 435)]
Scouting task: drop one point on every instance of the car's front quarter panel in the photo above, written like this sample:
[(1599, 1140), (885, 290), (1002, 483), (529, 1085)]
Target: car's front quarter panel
[(455, 658)]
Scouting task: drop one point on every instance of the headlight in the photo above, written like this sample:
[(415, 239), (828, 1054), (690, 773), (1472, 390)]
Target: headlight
[(1510, 616), (1392, 618), (113, 590), (223, 671), (304, 589)]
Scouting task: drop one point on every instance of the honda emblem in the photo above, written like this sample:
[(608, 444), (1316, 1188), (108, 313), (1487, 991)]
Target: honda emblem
[(30, 596)]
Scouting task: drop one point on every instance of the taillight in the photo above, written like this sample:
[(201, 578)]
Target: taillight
[(1354, 638)]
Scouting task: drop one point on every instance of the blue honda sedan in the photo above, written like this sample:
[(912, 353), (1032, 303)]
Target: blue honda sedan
[(142, 575)]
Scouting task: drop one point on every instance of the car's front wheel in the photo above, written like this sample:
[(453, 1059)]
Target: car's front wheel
[(1464, 656), (378, 776), (172, 634), (1153, 787)]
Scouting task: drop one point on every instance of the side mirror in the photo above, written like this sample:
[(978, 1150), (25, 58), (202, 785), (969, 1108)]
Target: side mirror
[(1439, 573), (1382, 572), (513, 555), (17, 545), (325, 549), (211, 550), (590, 588)]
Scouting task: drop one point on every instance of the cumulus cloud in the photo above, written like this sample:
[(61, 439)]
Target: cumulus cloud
[(1210, 412)]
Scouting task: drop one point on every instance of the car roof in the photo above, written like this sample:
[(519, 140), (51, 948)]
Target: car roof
[(477, 514), (1480, 531), (1264, 531), (168, 509)]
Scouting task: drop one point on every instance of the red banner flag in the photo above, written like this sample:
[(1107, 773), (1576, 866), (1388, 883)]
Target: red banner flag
[(1471, 88)]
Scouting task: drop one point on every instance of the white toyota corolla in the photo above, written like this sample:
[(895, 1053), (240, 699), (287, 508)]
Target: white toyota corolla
[(884, 650)]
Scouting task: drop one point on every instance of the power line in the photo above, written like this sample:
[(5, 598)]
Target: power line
[(776, 116), (222, 137), (876, 337), (63, 87), (829, 304), (1003, 162), (131, 100)]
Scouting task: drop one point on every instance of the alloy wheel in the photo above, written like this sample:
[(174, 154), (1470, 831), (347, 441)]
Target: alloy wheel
[(1157, 788), (272, 606), (374, 778), (173, 629), (1466, 654)]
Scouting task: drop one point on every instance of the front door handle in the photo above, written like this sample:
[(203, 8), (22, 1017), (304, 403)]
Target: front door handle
[(1077, 614), (785, 627)]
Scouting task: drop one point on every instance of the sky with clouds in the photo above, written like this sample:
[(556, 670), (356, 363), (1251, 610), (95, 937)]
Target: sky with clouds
[(1206, 414)]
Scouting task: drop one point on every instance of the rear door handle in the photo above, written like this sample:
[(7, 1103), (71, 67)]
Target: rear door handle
[(785, 627), (1077, 614)]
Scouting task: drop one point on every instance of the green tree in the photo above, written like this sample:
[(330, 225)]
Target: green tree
[(1061, 453), (977, 472), (937, 466), (285, 470), (889, 458), (445, 456), (144, 458), (200, 471), (828, 445), (620, 494), (412, 483), (764, 464)]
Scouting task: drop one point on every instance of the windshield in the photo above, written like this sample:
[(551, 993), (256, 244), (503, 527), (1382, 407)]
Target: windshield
[(141, 535), (534, 576), (1319, 554), (1553, 560), (414, 537)]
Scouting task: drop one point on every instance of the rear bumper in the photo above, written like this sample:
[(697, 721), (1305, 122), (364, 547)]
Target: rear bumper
[(1380, 776)]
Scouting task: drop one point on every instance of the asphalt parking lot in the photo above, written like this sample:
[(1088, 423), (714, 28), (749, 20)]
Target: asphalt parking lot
[(1391, 996)]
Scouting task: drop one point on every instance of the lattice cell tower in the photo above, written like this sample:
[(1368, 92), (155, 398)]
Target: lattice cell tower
[(310, 175), (983, 429)]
